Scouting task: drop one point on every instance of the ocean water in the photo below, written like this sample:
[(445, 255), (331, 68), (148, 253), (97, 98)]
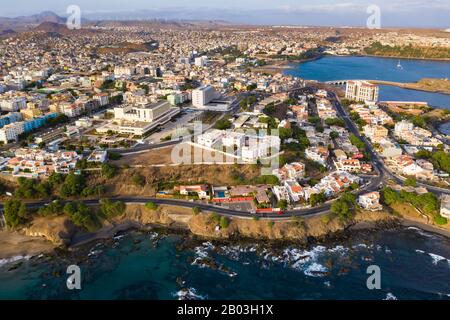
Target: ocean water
[(375, 68), (414, 265)]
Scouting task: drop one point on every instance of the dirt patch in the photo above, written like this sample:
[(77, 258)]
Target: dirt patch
[(166, 177), (15, 244)]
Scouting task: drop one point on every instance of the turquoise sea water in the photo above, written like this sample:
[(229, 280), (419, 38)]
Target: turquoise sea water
[(414, 265), (373, 68)]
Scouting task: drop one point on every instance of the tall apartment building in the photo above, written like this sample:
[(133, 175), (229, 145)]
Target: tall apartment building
[(201, 61), (10, 118), (13, 104), (202, 96), (11, 132), (361, 91)]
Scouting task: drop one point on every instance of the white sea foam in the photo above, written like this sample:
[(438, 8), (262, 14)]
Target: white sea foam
[(13, 259), (93, 253), (189, 294), (435, 257), (315, 270), (390, 296)]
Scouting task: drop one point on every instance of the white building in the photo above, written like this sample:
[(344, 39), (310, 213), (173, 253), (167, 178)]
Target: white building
[(13, 104), (403, 126), (294, 189), (361, 91), (11, 132), (445, 206), (202, 96), (142, 112), (370, 201), (124, 71), (281, 193), (201, 61), (210, 138), (102, 98)]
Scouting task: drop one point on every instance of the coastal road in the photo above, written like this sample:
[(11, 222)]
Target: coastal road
[(372, 185)]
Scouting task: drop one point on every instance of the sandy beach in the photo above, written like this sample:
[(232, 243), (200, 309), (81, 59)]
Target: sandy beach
[(14, 244)]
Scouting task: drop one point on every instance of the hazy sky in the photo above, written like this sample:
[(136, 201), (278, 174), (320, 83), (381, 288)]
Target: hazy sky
[(419, 13)]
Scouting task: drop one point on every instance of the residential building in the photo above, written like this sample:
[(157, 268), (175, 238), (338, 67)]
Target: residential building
[(445, 206), (349, 165), (318, 154), (13, 104), (361, 91), (370, 201), (201, 190), (375, 132), (290, 171), (202, 96)]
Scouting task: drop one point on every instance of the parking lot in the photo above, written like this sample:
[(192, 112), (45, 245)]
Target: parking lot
[(246, 206)]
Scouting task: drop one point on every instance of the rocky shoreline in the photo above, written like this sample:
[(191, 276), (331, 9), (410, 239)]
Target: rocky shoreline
[(197, 229)]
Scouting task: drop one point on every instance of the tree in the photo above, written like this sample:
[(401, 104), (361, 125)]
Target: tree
[(317, 198), (55, 179), (53, 208), (357, 142), (222, 124), (334, 135), (268, 179), (285, 133), (440, 220), (335, 122), (81, 216), (109, 170), (282, 204), (15, 213), (410, 182), (151, 206), (73, 185), (196, 210), (390, 196), (343, 208), (111, 209), (224, 222), (114, 155)]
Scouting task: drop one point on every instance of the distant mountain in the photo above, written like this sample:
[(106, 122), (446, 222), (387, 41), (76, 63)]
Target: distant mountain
[(53, 27), (24, 22)]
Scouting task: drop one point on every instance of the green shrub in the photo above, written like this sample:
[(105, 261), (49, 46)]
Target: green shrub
[(151, 206), (440, 220), (224, 222), (138, 180)]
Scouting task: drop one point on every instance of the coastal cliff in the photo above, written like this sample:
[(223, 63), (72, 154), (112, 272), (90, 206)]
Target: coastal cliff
[(60, 231), (45, 233)]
